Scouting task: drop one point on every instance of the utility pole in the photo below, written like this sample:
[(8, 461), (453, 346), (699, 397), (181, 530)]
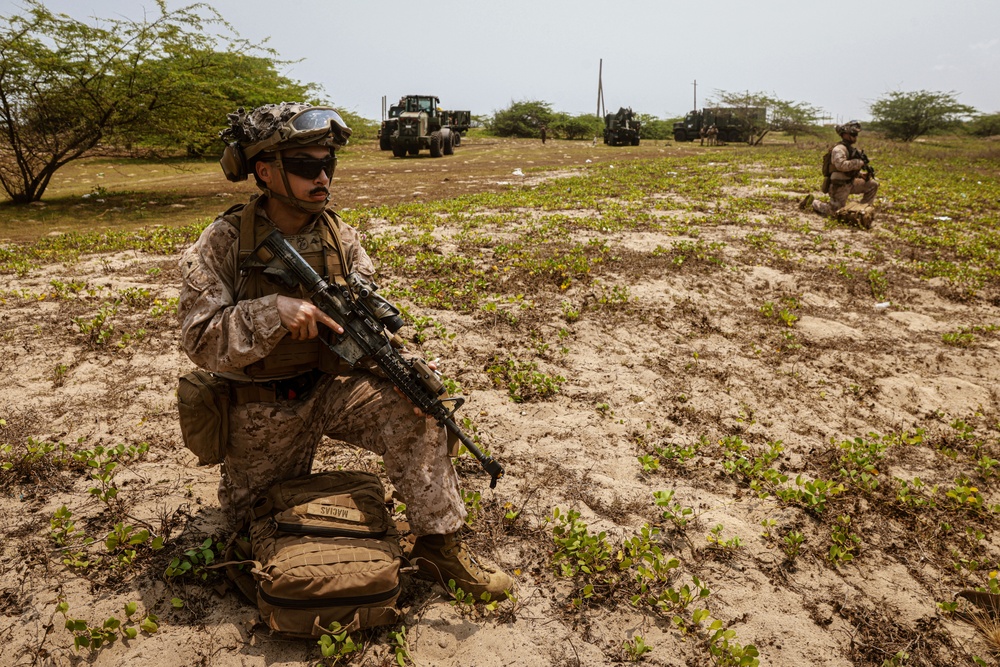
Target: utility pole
[(600, 89), (696, 94)]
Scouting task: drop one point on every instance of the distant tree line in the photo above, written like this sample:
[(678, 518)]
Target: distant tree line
[(901, 116), (527, 117)]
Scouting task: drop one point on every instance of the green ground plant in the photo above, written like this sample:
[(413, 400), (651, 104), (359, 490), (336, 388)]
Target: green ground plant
[(97, 637), (673, 511), (522, 379), (103, 462), (844, 543), (635, 648), (34, 461), (337, 644), (194, 563)]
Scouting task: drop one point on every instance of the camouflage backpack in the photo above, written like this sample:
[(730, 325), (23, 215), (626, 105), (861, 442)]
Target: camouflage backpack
[(857, 214), (322, 549), (827, 170)]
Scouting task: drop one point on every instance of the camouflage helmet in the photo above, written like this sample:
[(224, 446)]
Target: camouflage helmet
[(850, 127), (274, 127)]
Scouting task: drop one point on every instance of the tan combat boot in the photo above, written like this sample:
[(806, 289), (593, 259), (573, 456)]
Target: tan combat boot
[(444, 557)]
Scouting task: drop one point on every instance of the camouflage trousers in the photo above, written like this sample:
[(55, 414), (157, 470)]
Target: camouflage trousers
[(841, 190), (272, 442)]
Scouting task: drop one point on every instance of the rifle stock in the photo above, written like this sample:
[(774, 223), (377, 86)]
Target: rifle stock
[(365, 336)]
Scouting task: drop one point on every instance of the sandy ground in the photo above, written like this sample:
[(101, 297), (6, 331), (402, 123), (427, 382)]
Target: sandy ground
[(688, 361)]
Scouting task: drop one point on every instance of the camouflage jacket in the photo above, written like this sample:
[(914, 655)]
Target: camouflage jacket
[(220, 333), (843, 167)]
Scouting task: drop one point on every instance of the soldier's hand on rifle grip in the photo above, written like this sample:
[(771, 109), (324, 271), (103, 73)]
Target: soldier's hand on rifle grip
[(302, 318)]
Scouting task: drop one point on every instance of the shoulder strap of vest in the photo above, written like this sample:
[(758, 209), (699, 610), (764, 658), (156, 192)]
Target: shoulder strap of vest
[(329, 229), (331, 236), (243, 223), (235, 208), (248, 229)]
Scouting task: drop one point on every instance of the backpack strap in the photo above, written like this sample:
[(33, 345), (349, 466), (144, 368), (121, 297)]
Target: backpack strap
[(245, 580)]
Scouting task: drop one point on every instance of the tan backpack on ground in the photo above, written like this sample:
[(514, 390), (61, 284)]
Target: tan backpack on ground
[(323, 548), (857, 214)]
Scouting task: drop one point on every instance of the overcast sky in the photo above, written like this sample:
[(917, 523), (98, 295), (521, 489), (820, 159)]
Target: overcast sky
[(481, 55)]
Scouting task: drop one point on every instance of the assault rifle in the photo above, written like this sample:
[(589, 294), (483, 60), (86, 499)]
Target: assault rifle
[(868, 169), (366, 318)]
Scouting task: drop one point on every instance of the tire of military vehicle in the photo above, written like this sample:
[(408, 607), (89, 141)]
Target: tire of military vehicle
[(399, 151), (385, 142), (436, 144), (447, 139), (456, 138), (680, 136), (635, 142)]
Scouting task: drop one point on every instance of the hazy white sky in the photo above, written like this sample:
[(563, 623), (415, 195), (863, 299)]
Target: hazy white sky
[(481, 55)]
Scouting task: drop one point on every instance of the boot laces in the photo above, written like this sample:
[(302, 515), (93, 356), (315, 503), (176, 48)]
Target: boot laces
[(474, 568)]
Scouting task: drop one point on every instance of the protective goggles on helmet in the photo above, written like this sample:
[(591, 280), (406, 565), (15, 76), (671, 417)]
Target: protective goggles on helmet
[(315, 125), (852, 127), (307, 167)]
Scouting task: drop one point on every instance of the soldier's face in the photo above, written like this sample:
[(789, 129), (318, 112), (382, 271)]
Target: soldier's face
[(314, 188), (849, 138)]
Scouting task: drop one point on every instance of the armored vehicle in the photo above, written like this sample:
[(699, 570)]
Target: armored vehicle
[(622, 128), (736, 124), (417, 122)]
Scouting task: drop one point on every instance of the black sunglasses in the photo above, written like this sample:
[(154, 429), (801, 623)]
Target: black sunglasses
[(309, 167)]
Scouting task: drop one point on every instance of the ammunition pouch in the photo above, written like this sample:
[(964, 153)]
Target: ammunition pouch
[(203, 403), (825, 188)]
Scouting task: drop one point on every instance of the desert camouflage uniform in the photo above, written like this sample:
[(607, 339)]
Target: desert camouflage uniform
[(275, 441), (845, 181), (713, 135)]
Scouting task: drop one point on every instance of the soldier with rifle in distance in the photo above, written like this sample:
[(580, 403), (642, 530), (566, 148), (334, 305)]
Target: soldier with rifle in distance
[(846, 171), (278, 299)]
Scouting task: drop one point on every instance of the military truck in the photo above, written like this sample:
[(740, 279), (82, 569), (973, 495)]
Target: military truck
[(622, 128), (459, 122), (735, 124), (389, 125), (417, 122)]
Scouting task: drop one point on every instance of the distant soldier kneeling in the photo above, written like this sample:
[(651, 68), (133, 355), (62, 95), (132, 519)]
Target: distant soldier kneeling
[(846, 172)]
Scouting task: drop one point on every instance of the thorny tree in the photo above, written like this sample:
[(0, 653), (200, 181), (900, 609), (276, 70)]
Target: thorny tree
[(67, 87)]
